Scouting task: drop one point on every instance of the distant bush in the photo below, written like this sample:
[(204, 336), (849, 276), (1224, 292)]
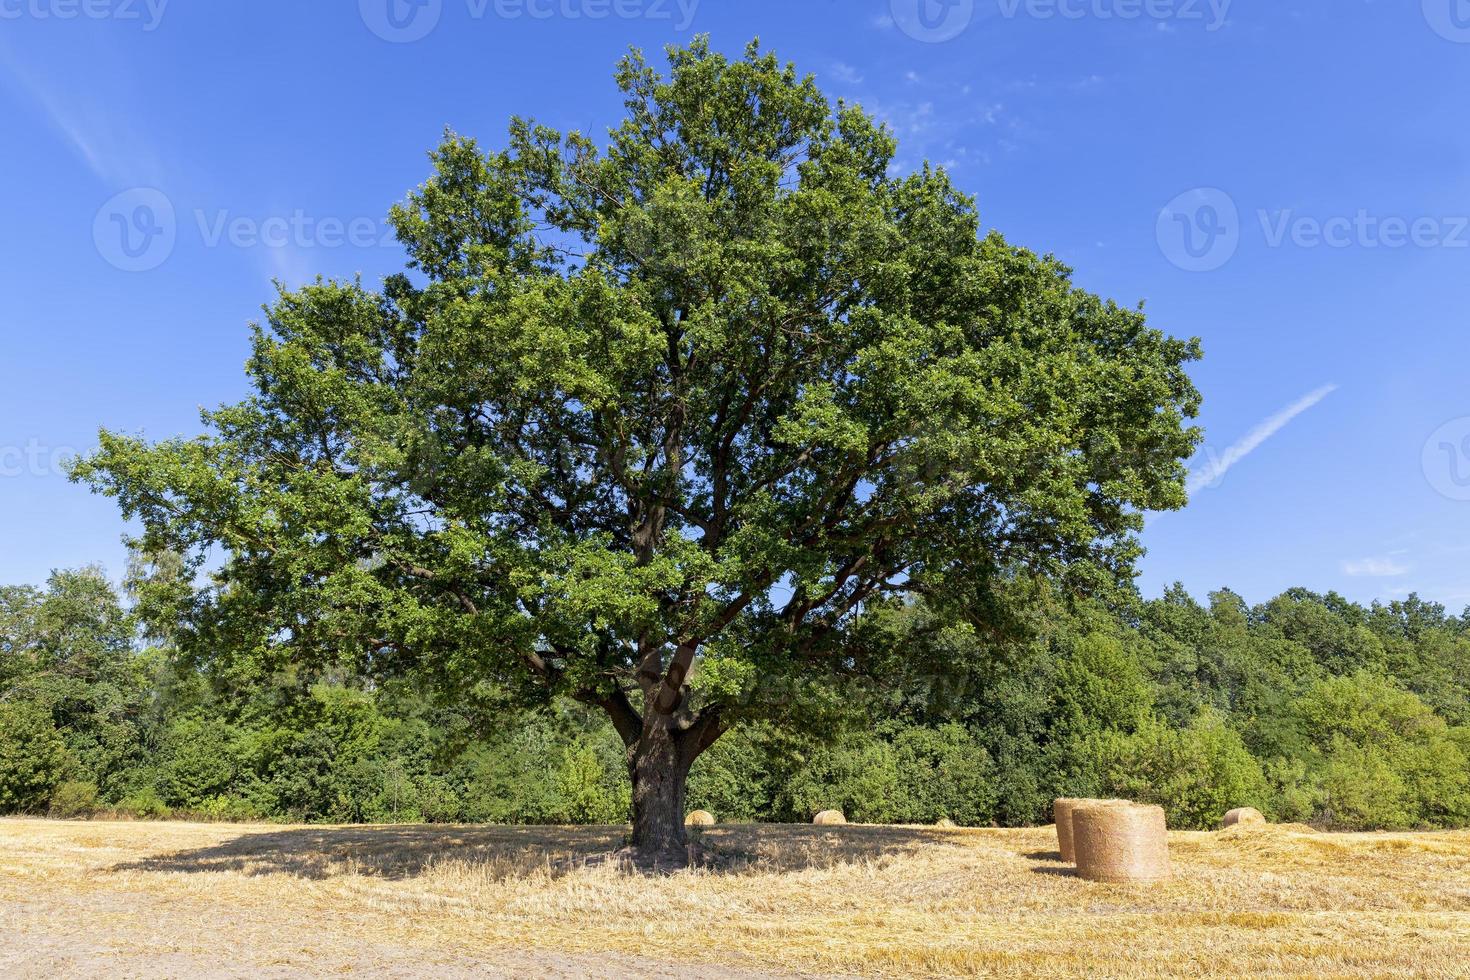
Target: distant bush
[(588, 792), (1196, 773), (198, 764), (73, 799), (1295, 795), (145, 804), (732, 779), (437, 800), (1384, 759), (33, 757), (860, 778), (225, 808), (943, 772)]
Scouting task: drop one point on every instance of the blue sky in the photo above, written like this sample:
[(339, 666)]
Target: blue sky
[(1286, 179)]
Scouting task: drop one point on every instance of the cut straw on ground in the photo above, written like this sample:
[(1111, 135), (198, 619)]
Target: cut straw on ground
[(854, 900)]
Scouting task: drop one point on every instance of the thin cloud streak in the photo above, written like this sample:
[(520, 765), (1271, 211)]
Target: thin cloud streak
[(1375, 568), (1220, 465), (99, 135)]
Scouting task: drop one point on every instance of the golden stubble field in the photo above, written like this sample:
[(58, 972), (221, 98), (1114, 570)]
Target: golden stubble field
[(150, 899)]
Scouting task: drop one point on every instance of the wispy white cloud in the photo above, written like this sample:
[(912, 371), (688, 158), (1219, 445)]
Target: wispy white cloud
[(100, 135), (843, 72), (1218, 466), (1387, 567)]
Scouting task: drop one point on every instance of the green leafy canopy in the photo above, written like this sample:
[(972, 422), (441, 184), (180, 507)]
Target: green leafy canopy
[(653, 422)]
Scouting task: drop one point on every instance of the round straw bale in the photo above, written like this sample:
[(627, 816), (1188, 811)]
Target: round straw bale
[(1120, 842), (829, 817), (700, 818), (1244, 815), (944, 823), (1062, 814)]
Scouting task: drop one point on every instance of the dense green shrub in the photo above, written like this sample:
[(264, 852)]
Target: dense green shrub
[(145, 804), (859, 777), (587, 792), (1385, 759), (33, 758), (943, 772), (1196, 773), (732, 780), (73, 799), (199, 764)]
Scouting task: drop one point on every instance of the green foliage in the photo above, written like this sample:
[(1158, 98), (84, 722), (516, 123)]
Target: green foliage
[(1385, 759), (1200, 709), (73, 799), (198, 763), (587, 794), (33, 757), (763, 385), (859, 778), (1196, 773), (943, 772), (549, 770), (144, 804)]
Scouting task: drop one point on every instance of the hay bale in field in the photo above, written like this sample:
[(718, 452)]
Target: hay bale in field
[(944, 823), (1062, 815), (829, 817), (700, 818), (1245, 815), (1116, 841)]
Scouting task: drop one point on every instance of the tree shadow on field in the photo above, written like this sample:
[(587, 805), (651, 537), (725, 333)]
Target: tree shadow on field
[(399, 852), (1056, 872), (1050, 863)]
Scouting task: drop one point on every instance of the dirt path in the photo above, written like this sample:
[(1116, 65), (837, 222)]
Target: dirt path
[(126, 936)]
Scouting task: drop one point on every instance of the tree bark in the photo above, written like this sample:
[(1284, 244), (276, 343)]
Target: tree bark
[(659, 767)]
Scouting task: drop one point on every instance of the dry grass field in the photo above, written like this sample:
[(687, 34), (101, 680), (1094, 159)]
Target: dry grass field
[(151, 899)]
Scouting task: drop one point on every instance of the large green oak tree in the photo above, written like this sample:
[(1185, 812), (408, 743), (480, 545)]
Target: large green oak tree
[(655, 423)]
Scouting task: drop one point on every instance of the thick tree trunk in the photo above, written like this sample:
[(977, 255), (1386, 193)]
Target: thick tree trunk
[(659, 767)]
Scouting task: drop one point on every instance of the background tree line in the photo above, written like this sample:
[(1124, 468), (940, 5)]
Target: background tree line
[(1310, 707)]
